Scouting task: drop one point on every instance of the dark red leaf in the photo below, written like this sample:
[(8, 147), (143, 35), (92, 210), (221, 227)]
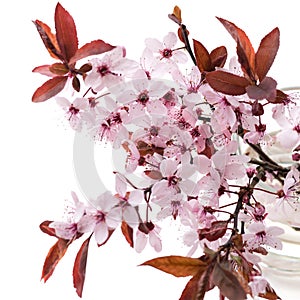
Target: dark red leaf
[(76, 84), (228, 283), (216, 231), (191, 289), (49, 89), (245, 51), (178, 266), (92, 48), (80, 267), (56, 252), (44, 70), (58, 69), (48, 38), (227, 83), (128, 233), (44, 226), (265, 90), (266, 53), (66, 33), (218, 57), (202, 57)]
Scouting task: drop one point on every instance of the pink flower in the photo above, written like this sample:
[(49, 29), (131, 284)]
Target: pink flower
[(104, 216), (167, 56), (224, 114), (189, 85), (260, 235), (109, 70), (74, 211), (176, 177), (74, 111)]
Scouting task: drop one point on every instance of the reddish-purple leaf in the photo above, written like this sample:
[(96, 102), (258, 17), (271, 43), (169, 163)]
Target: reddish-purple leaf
[(218, 57), (56, 252), (48, 38), (58, 69), (266, 53), (44, 70), (216, 231), (265, 90), (66, 33), (227, 83), (202, 57), (80, 267), (178, 266), (128, 233), (44, 226), (228, 283), (245, 51), (49, 89), (191, 289), (92, 48)]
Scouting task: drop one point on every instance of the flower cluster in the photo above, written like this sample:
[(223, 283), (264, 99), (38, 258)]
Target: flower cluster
[(179, 115)]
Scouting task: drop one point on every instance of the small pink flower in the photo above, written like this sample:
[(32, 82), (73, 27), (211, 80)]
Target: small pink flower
[(110, 70), (260, 235), (104, 216), (74, 111), (74, 211), (167, 56)]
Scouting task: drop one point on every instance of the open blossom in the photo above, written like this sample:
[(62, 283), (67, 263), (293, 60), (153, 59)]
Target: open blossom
[(68, 228), (104, 215), (167, 56), (259, 235), (74, 111), (175, 177), (108, 71)]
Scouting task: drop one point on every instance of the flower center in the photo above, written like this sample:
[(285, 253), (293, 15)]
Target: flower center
[(143, 97), (166, 53), (73, 111), (103, 70)]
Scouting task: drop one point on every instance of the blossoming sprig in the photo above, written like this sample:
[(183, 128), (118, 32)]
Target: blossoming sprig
[(63, 46), (179, 138)]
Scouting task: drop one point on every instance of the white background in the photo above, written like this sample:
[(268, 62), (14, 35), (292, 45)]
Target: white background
[(36, 148)]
